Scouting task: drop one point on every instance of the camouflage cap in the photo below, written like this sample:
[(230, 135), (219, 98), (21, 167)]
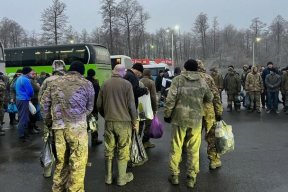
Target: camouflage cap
[(200, 65), (58, 65)]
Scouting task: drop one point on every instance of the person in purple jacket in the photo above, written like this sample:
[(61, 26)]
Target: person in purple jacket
[(24, 91)]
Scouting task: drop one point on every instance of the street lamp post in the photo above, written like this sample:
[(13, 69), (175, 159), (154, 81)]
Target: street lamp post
[(172, 47), (257, 40)]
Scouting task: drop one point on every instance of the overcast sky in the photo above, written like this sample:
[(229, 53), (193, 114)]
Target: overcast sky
[(164, 13)]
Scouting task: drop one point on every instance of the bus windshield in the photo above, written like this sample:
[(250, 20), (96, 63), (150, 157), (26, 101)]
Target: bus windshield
[(102, 55), (1, 54)]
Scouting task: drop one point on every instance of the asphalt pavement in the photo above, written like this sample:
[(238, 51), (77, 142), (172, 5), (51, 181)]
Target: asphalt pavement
[(258, 163)]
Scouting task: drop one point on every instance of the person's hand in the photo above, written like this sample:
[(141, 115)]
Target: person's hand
[(11, 101), (218, 117), (134, 126), (167, 119), (154, 113), (220, 90)]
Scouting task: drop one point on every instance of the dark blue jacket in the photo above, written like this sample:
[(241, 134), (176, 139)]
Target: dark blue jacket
[(266, 72), (23, 88)]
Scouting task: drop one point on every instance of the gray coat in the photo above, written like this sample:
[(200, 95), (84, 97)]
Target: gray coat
[(273, 82)]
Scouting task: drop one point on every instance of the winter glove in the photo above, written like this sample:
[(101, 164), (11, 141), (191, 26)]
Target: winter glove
[(218, 117), (167, 119)]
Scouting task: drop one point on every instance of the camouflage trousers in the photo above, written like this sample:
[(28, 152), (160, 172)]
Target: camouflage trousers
[(192, 142), (255, 95), (117, 134), (211, 141), (72, 155), (146, 126), (1, 111)]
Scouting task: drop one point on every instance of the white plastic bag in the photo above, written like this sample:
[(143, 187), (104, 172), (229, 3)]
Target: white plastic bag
[(224, 138), (145, 108), (32, 109)]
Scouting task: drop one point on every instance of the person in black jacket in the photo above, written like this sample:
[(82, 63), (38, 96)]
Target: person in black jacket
[(158, 84), (132, 76), (91, 77)]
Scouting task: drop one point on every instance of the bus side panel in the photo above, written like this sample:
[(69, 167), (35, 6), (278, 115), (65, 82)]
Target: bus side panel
[(103, 71)]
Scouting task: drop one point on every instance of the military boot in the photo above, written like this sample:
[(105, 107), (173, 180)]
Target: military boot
[(237, 108), (191, 182), (229, 108), (214, 160), (123, 177), (109, 171), (285, 109), (174, 179)]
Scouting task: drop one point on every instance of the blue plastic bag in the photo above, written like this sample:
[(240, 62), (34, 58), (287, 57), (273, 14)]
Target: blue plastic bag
[(12, 108), (39, 118), (156, 128)]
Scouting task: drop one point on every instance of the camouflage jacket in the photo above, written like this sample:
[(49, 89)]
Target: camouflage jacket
[(45, 84), (218, 109), (185, 99), (12, 91), (218, 80), (69, 99), (254, 82), (35, 87), (243, 75), (284, 84), (232, 84)]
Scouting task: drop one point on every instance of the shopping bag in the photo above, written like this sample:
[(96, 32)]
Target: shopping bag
[(246, 102), (224, 138), (12, 108), (145, 107), (39, 117), (32, 109), (46, 156), (92, 124), (137, 150), (156, 128)]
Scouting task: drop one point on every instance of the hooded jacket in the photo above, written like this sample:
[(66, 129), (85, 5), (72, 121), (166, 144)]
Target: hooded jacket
[(254, 81), (284, 84), (152, 89), (185, 100)]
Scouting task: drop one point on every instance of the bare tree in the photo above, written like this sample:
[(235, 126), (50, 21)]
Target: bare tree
[(84, 36), (130, 16), (277, 28), (54, 22), (200, 27)]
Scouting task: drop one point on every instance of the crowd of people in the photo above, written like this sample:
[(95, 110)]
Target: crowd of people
[(193, 101)]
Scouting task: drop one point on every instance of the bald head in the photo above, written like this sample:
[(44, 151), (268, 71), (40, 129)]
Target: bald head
[(119, 70)]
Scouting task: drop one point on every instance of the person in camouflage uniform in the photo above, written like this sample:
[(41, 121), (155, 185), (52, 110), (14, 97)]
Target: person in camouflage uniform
[(184, 108), (65, 104), (12, 96), (212, 112), (218, 80), (244, 74), (284, 89), (232, 86), (254, 87), (59, 69), (2, 98), (116, 104)]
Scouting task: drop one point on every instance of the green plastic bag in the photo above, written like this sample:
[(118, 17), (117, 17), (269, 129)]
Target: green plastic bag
[(224, 138)]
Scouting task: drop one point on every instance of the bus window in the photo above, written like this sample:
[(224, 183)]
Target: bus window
[(102, 55), (115, 61), (15, 58), (1, 54), (68, 55)]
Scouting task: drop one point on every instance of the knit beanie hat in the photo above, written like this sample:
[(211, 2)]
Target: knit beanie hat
[(77, 66), (191, 65), (269, 63), (138, 67), (19, 71), (26, 70), (91, 73), (212, 69)]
